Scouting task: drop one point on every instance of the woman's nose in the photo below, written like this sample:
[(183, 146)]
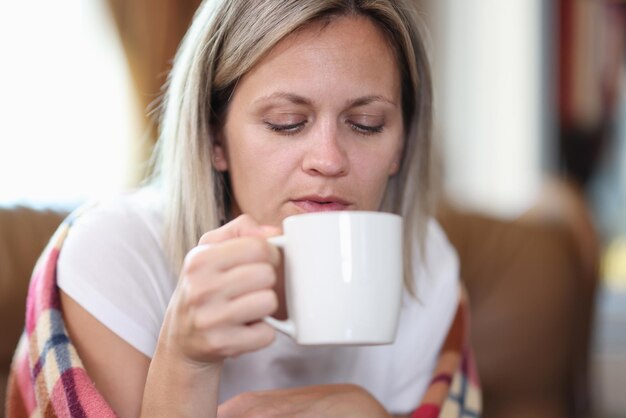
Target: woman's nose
[(325, 155)]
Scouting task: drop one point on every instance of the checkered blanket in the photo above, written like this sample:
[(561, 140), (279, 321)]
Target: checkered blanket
[(48, 378), (454, 390)]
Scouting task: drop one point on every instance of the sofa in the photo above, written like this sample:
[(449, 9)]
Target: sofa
[(531, 313), (531, 288)]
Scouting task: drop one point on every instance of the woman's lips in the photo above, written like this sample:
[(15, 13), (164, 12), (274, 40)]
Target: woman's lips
[(315, 204)]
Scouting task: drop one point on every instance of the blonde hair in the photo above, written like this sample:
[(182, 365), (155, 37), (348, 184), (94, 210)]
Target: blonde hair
[(226, 39)]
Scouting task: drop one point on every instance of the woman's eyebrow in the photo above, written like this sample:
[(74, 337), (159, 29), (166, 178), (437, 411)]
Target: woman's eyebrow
[(365, 100), (293, 98), (301, 100)]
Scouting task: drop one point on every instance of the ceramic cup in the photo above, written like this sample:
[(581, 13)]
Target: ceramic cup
[(343, 277)]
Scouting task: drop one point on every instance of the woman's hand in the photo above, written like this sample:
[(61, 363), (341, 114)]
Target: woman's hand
[(224, 291), (306, 402)]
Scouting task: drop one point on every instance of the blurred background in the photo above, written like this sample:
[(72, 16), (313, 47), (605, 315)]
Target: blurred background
[(531, 134)]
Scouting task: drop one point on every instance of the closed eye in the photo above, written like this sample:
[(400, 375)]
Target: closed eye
[(366, 129), (286, 129)]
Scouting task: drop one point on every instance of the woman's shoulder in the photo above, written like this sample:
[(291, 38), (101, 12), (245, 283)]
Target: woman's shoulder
[(142, 203), (437, 247), (130, 217), (112, 264), (124, 232)]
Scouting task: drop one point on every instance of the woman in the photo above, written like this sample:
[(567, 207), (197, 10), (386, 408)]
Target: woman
[(273, 108)]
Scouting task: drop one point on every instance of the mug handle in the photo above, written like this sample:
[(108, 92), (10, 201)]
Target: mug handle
[(287, 326)]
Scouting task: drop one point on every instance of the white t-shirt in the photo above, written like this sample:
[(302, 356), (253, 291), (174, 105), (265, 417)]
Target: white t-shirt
[(112, 263)]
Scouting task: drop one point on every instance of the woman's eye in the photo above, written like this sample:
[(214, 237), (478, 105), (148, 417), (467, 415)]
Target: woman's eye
[(366, 129), (286, 128)]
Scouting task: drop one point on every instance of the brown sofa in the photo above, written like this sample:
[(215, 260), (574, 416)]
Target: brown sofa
[(531, 306), (531, 295)]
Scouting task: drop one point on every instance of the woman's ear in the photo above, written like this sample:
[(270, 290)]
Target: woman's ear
[(219, 155)]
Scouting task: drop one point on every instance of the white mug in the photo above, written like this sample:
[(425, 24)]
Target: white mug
[(343, 277)]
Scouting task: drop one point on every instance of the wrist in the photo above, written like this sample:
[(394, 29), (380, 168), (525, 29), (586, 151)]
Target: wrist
[(185, 372), (177, 386), (182, 349)]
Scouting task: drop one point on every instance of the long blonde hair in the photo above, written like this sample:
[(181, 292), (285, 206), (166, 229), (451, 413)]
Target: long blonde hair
[(226, 39)]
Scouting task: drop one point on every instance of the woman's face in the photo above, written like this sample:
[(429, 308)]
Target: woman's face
[(316, 125)]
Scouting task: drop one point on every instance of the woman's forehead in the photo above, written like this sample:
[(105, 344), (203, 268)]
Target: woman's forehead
[(350, 51)]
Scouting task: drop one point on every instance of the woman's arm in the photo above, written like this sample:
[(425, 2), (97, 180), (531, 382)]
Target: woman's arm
[(126, 378), (176, 387), (306, 402), (118, 369)]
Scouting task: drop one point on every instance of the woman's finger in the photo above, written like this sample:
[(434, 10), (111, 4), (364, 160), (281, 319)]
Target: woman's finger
[(243, 225), (237, 340), (208, 259), (248, 308), (247, 279)]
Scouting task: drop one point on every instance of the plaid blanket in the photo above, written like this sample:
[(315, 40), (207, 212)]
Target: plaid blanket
[(454, 390), (48, 378)]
